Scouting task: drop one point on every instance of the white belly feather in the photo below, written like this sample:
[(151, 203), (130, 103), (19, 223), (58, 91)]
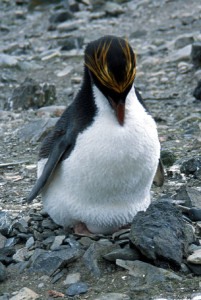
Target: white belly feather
[(107, 178)]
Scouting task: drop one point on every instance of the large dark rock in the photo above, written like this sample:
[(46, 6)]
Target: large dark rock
[(196, 54), (159, 234), (197, 91), (31, 94)]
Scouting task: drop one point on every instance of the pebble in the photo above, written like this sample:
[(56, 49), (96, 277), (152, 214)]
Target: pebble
[(25, 293), (70, 25), (183, 41), (77, 289), (3, 272), (67, 70), (61, 16), (113, 296), (197, 91), (72, 278), (90, 260)]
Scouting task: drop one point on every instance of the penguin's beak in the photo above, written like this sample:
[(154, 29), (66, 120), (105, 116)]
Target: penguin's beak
[(119, 109)]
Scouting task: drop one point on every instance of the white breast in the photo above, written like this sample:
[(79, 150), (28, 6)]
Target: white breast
[(108, 176)]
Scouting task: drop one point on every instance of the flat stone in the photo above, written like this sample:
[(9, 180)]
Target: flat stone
[(72, 278), (58, 240), (195, 258), (90, 260), (183, 41), (67, 70), (2, 272), (70, 25), (113, 296), (48, 262), (77, 289), (147, 272), (155, 231), (122, 253), (25, 293), (29, 242)]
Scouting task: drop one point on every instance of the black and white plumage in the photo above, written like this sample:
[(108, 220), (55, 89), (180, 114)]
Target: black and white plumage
[(98, 164)]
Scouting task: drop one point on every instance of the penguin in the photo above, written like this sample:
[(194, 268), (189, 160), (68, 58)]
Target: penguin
[(97, 166)]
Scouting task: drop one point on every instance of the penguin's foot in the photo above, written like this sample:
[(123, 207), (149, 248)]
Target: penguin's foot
[(123, 227), (81, 228)]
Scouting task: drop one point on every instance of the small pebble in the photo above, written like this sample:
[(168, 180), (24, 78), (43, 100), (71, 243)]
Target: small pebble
[(77, 289)]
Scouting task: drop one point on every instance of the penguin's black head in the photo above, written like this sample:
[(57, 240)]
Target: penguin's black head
[(112, 64)]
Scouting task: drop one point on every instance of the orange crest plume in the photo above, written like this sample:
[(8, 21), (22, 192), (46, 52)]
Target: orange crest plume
[(98, 65)]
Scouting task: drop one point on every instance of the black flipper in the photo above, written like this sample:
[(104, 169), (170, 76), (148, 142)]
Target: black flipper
[(61, 146)]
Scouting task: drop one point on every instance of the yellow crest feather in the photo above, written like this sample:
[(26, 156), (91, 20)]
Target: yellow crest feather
[(98, 65)]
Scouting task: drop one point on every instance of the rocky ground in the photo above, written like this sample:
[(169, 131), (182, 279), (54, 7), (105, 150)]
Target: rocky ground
[(41, 63)]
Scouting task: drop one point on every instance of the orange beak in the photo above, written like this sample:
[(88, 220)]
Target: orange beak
[(119, 110)]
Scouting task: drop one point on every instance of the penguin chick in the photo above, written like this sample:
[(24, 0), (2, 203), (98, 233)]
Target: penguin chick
[(97, 166)]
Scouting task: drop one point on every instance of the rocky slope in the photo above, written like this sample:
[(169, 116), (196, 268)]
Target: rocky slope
[(41, 63)]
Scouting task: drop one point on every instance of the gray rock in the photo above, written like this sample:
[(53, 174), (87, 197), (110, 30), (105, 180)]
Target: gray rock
[(191, 165), (196, 269), (168, 158), (57, 277), (195, 258), (113, 9), (48, 262), (6, 255), (90, 260), (5, 223), (7, 60), (70, 43), (196, 54), (36, 130), (155, 231), (125, 253), (29, 242), (58, 240), (113, 296), (138, 34), (77, 289), (20, 225), (3, 241), (49, 224), (182, 54), (21, 255), (3, 272), (183, 41), (12, 241), (61, 16), (147, 273), (31, 94)]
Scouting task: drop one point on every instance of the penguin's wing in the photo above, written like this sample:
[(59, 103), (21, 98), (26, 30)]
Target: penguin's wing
[(159, 176), (62, 145)]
